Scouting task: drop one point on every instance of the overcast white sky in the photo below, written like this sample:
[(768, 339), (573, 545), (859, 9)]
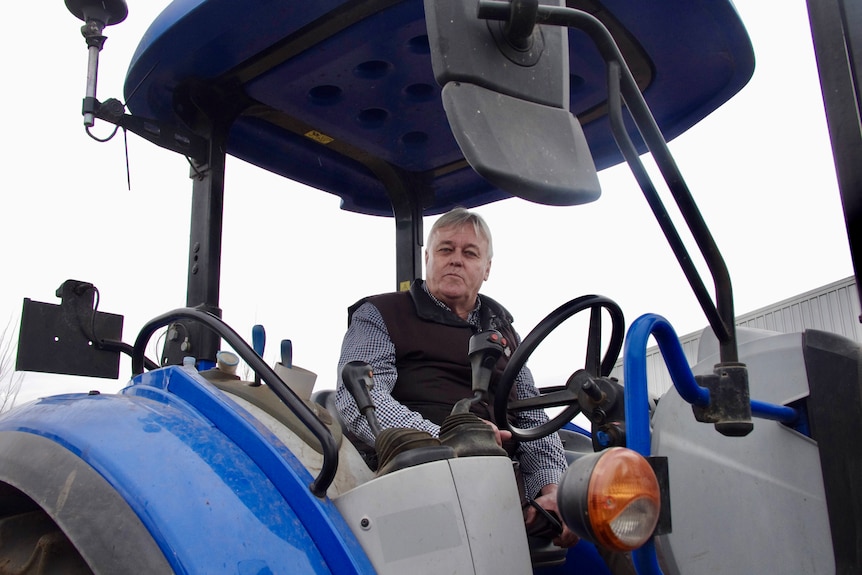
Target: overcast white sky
[(760, 169)]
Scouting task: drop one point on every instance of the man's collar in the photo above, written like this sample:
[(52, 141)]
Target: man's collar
[(430, 308), (487, 314), (475, 309)]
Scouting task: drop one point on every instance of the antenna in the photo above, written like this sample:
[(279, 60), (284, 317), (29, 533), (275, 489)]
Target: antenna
[(96, 14)]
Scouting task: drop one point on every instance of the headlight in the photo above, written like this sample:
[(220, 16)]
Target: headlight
[(611, 498)]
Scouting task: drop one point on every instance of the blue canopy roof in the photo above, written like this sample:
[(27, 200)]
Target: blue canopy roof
[(341, 96)]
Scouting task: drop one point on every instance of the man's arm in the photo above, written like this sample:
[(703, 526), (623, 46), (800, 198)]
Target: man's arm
[(367, 339), (542, 461)]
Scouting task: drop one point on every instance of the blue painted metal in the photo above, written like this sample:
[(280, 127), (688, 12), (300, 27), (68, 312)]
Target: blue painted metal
[(326, 67), (305, 415), (603, 438), (258, 339), (204, 364), (572, 426), (774, 412), (634, 361), (319, 517), (646, 559), (216, 492)]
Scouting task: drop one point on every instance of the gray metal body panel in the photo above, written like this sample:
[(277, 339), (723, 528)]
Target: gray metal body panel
[(456, 516), (745, 505)]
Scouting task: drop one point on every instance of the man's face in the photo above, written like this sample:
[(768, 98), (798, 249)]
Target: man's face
[(456, 263)]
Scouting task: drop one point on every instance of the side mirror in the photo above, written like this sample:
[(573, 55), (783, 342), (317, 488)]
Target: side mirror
[(506, 95)]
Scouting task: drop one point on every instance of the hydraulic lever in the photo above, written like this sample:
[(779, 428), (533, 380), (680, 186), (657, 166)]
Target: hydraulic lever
[(484, 350), (463, 430), (359, 379), (396, 447)]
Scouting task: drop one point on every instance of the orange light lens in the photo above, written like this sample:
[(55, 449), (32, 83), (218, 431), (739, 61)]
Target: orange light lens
[(623, 500)]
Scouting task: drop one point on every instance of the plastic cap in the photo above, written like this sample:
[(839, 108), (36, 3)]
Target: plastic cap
[(227, 361)]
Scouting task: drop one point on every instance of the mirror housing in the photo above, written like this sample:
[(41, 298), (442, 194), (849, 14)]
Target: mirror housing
[(506, 96)]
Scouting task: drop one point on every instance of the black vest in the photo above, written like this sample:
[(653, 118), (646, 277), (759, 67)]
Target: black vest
[(431, 345)]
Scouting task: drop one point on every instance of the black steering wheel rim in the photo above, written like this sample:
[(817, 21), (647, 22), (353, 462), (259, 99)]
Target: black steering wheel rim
[(604, 366)]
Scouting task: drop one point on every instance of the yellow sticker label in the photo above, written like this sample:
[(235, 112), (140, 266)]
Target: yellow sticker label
[(404, 286), (318, 137)]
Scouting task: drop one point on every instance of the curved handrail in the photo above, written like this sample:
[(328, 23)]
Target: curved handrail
[(329, 448), (622, 85)]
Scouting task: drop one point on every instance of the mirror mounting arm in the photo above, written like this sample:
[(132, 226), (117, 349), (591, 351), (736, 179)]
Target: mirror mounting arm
[(520, 24), (720, 313), (162, 134)]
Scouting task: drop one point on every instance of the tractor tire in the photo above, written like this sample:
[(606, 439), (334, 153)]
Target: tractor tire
[(32, 544)]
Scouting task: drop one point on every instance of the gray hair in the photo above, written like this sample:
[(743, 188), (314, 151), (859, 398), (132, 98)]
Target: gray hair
[(458, 217)]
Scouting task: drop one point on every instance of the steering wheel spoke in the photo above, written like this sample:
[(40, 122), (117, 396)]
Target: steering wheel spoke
[(545, 400), (567, 396), (594, 340)]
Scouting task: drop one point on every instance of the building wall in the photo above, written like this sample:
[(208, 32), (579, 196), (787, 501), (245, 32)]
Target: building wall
[(833, 307)]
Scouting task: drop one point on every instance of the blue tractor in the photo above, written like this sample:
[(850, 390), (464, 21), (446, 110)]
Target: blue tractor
[(404, 109)]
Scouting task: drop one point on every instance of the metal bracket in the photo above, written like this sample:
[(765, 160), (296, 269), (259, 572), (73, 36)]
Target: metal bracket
[(660, 468), (63, 338), (163, 135), (729, 405)]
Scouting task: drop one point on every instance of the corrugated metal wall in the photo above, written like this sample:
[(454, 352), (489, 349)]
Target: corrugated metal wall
[(833, 307)]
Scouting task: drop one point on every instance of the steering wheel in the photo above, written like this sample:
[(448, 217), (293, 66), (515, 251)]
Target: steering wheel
[(567, 395)]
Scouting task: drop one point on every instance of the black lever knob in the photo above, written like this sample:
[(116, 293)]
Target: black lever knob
[(358, 378), (484, 351)]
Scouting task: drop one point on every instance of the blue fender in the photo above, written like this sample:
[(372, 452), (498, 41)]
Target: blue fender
[(204, 483)]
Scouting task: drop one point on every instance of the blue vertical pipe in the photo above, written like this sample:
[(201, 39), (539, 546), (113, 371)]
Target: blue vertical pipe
[(638, 435), (635, 366), (637, 409)]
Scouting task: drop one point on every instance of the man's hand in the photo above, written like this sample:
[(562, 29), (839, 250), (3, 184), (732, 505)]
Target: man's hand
[(501, 435), (548, 501)]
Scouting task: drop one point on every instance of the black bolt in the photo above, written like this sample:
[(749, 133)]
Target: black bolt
[(598, 416), (592, 390)]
